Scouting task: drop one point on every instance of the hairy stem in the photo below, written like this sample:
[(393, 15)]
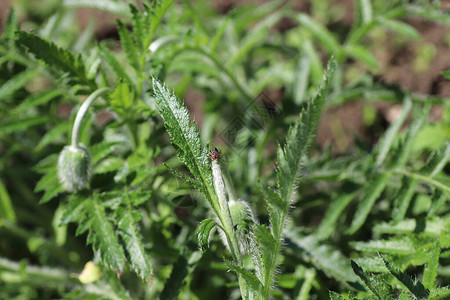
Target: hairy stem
[(82, 113)]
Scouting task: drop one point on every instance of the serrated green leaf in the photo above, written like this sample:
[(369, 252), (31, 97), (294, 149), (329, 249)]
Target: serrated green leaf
[(102, 236), (128, 45), (431, 268), (414, 286), (132, 240), (335, 296), (11, 25), (15, 83), (439, 293), (376, 284), (112, 61), (52, 55), (265, 243), (298, 140), (74, 210), (186, 137), (203, 232)]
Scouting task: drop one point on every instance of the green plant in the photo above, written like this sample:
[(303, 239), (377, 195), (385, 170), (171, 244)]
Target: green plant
[(127, 170)]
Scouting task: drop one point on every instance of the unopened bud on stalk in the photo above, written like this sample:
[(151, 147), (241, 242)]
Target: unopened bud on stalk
[(74, 163), (74, 168)]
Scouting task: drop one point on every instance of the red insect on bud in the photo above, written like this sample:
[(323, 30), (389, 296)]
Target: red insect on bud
[(214, 154)]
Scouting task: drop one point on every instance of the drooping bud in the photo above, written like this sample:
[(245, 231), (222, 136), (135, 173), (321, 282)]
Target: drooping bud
[(74, 168)]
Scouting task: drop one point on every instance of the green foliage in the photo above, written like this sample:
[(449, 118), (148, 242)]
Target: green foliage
[(361, 215)]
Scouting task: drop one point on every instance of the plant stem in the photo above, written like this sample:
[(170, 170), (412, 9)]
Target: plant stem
[(82, 113), (227, 221)]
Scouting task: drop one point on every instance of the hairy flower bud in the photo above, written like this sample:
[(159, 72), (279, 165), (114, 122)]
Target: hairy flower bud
[(74, 168)]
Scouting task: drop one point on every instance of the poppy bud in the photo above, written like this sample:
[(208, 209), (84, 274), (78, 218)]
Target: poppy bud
[(74, 168)]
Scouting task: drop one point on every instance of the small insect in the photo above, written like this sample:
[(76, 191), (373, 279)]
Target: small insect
[(214, 153)]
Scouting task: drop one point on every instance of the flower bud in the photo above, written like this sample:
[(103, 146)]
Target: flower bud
[(74, 168)]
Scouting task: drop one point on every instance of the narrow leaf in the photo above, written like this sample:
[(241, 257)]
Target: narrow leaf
[(15, 83), (372, 191), (6, 207), (328, 224)]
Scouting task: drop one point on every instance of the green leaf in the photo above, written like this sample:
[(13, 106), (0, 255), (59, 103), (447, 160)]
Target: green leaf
[(298, 140), (430, 13), (439, 293), (331, 261), (74, 210), (203, 232), (12, 24), (36, 99), (301, 80), (182, 268), (250, 278), (396, 246), (112, 61), (324, 35), (132, 240), (335, 296), (431, 268), (53, 55), (122, 98), (433, 226), (385, 143), (6, 207), (400, 27), (376, 284), (372, 190), (403, 199), (185, 136), (414, 286), (265, 243), (446, 74), (328, 224), (361, 53), (115, 7), (102, 236), (21, 124), (17, 82), (363, 12), (53, 134), (128, 45)]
